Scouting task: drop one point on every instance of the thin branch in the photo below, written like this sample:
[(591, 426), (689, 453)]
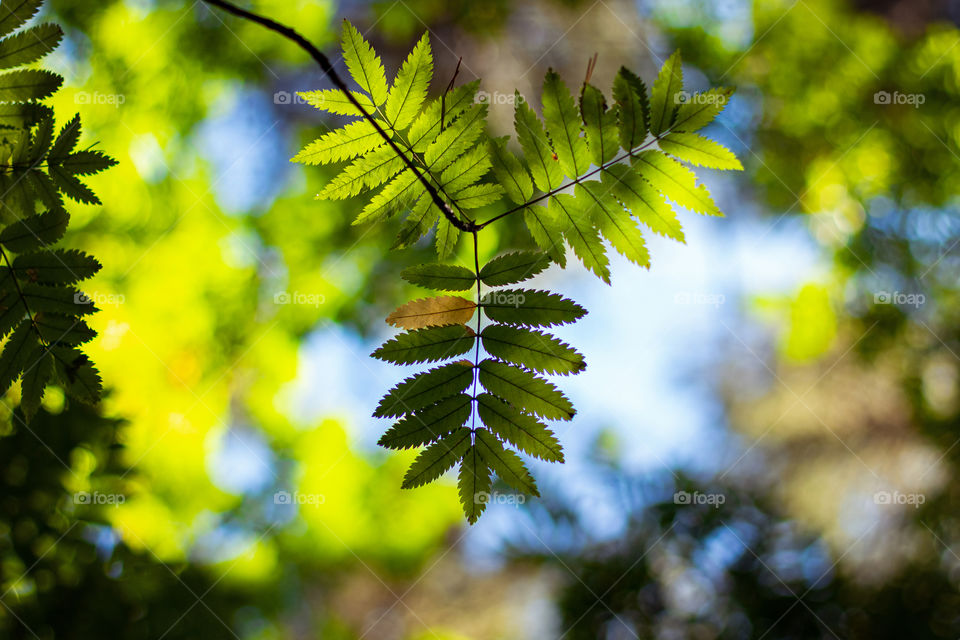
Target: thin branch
[(575, 181), (328, 69)]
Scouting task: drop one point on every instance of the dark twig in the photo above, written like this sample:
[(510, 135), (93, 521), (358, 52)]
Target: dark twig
[(328, 69)]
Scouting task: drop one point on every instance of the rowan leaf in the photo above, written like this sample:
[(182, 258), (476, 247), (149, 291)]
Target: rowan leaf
[(424, 389), (505, 463), (664, 97), (525, 390), (474, 484), (437, 459), (432, 312), (563, 125), (427, 345), (521, 430), (531, 349), (441, 277), (364, 64), (526, 307), (409, 90), (429, 424), (513, 267), (700, 151)]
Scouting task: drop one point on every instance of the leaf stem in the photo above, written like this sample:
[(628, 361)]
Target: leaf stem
[(575, 181), (476, 354)]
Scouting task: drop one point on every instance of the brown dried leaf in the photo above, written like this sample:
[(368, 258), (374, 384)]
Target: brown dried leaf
[(432, 312)]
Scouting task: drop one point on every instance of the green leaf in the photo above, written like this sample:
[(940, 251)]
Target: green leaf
[(333, 101), (509, 171), (55, 267), (523, 431), (418, 222), (15, 13), (447, 236), (435, 421), (409, 90), (35, 380), (525, 390), (676, 182), (614, 223), (580, 232), (699, 110), (364, 64), (15, 356), (436, 459), (80, 378), (29, 45), (368, 172), (441, 277), (424, 389), (426, 127), (35, 231), (532, 349), (544, 167), (530, 308), (427, 345), (71, 186), (28, 84), (477, 195), (456, 138), (600, 125), (67, 140), (664, 97), (57, 329), (513, 267), (630, 95), (474, 484), (643, 201), (563, 125), (86, 163), (505, 463), (700, 151), (464, 172), (546, 228), (395, 196), (354, 139)]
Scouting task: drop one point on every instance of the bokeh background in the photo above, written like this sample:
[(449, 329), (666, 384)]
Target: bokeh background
[(767, 438)]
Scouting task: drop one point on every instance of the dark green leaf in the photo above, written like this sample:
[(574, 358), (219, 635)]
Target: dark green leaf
[(425, 388), (505, 463), (530, 308), (521, 430), (427, 345), (429, 424), (436, 459), (525, 390), (531, 349), (513, 267)]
